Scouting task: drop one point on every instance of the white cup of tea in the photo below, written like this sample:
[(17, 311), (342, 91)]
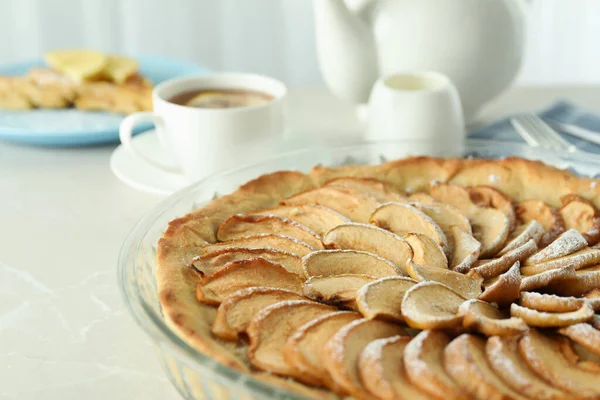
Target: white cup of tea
[(241, 120), (421, 110)]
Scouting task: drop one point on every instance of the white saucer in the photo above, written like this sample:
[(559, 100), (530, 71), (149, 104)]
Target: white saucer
[(139, 175)]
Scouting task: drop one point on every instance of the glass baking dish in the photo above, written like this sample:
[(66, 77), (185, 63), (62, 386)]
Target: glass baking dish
[(198, 377)]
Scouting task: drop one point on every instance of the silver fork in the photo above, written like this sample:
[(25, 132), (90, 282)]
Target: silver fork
[(537, 133)]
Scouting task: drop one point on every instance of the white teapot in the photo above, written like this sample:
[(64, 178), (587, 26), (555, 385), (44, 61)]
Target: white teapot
[(478, 44)]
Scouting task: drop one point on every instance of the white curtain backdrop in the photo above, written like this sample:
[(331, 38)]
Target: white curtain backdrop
[(273, 37)]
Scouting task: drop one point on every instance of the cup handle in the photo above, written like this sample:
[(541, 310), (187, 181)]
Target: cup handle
[(126, 133)]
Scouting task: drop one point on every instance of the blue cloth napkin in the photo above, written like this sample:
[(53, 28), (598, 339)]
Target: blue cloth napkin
[(562, 111)]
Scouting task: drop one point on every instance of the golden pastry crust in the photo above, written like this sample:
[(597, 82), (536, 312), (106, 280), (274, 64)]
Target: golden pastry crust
[(517, 178)]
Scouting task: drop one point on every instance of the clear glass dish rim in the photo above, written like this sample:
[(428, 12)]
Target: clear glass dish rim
[(153, 324)]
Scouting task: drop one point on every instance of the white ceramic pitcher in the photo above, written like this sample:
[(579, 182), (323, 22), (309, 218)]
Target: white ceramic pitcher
[(478, 44)]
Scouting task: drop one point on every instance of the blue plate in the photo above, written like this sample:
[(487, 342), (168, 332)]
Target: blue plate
[(71, 127)]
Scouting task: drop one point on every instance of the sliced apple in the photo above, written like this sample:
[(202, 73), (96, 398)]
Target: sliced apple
[(336, 289), (529, 210), (445, 216), (403, 218), (239, 226), (468, 286), (369, 238), (207, 264), (578, 260), (78, 65), (466, 250), (466, 362), (489, 320), (500, 265), (506, 361), (583, 334), (234, 314), (270, 329), (550, 302), (343, 350), (383, 298), (426, 251), (532, 230), (318, 219), (262, 241), (490, 227), (504, 289), (383, 192), (349, 202), (542, 354), (382, 370), (593, 299), (559, 276), (423, 361), (304, 349), (243, 274), (343, 262), (567, 243), (575, 284), (119, 68), (542, 319), (486, 196), (431, 305), (581, 215), (422, 198), (455, 195)]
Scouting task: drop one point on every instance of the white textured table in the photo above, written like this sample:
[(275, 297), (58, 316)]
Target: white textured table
[(64, 331)]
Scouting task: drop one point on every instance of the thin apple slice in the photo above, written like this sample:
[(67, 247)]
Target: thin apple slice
[(550, 302), (270, 329), (532, 230), (529, 210), (466, 250), (578, 260), (507, 363), (235, 313), (583, 334), (426, 251), (559, 276), (431, 305), (486, 196), (490, 227), (347, 201), (423, 361), (304, 349), (382, 371), (383, 192), (403, 218), (542, 319), (581, 215), (454, 195), (505, 289), (238, 226), (243, 274), (209, 263), (318, 219), (576, 284), (567, 243), (466, 362), (343, 350), (445, 216), (422, 198), (343, 262), (593, 299), (383, 298), (542, 354), (369, 238), (468, 286), (336, 289), (500, 265), (262, 241), (484, 318)]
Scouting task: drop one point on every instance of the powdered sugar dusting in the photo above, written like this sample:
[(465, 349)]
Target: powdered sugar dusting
[(493, 178), (593, 184), (567, 243), (583, 334)]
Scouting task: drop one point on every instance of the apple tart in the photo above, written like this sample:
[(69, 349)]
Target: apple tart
[(420, 278)]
